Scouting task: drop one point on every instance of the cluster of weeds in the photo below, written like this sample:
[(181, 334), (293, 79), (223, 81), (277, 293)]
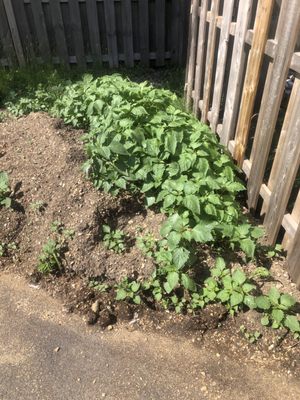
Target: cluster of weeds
[(114, 240), (52, 254)]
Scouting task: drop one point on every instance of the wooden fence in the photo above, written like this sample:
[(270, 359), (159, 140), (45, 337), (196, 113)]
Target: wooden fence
[(240, 55), (93, 31)]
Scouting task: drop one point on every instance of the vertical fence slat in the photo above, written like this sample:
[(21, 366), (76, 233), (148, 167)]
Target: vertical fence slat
[(236, 71), (160, 10), (200, 57), (59, 32), (77, 32), (175, 38), (295, 215), (288, 28), (211, 43), (94, 34), (41, 31), (192, 51), (5, 36), (144, 31), (14, 31), (24, 30), (286, 163), (110, 19), (127, 32), (221, 63), (293, 259), (261, 28)]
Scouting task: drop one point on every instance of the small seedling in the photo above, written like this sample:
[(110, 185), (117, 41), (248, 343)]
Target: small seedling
[(6, 248), (51, 257), (37, 206), (114, 240), (275, 252), (148, 244), (98, 286), (5, 192), (128, 290), (252, 337)]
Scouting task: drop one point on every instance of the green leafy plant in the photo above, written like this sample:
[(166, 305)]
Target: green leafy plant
[(278, 310), (52, 254), (100, 287), (7, 248), (148, 244), (252, 337), (128, 290), (5, 192), (114, 239)]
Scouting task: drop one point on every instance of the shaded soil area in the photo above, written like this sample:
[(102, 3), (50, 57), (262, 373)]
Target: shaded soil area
[(43, 159)]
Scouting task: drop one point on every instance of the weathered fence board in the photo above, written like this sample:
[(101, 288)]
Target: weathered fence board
[(262, 21), (152, 32), (249, 125)]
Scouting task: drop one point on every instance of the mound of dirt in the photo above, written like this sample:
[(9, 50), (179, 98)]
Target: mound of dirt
[(43, 159)]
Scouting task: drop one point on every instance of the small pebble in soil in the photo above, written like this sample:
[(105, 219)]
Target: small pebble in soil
[(96, 307), (56, 350)]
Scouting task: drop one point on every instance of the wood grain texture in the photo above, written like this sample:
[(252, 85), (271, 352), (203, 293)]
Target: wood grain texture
[(201, 47), (14, 31), (160, 14), (41, 31), (286, 36), (221, 63), (286, 164), (59, 32), (210, 55), (192, 51), (127, 32), (94, 34), (111, 33), (261, 29)]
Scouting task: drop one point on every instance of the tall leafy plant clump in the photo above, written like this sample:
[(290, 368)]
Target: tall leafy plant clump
[(139, 141)]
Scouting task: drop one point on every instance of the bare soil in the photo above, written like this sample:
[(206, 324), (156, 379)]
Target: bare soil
[(43, 159)]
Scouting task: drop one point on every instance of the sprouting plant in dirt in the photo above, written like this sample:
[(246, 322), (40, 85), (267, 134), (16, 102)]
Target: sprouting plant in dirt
[(5, 192), (275, 251), (232, 288), (278, 310), (128, 290), (114, 239), (7, 248), (100, 287), (147, 244), (37, 206), (251, 336), (2, 116), (52, 254)]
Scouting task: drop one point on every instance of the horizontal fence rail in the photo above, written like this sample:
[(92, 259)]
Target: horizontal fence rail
[(115, 32), (241, 53)]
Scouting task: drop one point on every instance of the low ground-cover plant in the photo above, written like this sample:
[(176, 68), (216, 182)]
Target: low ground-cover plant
[(7, 248), (5, 192), (52, 254), (114, 239)]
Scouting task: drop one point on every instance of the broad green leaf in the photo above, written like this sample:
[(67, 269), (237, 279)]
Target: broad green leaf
[(188, 282), (171, 143), (248, 246), (239, 276), (167, 287), (121, 294), (220, 263), (236, 298), (223, 295), (277, 315), (118, 148), (210, 209), (174, 239), (137, 299), (291, 322), (135, 286), (265, 320), (192, 203), (263, 302), (257, 233), (287, 300), (202, 233), (180, 257), (274, 294), (250, 302), (121, 183)]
